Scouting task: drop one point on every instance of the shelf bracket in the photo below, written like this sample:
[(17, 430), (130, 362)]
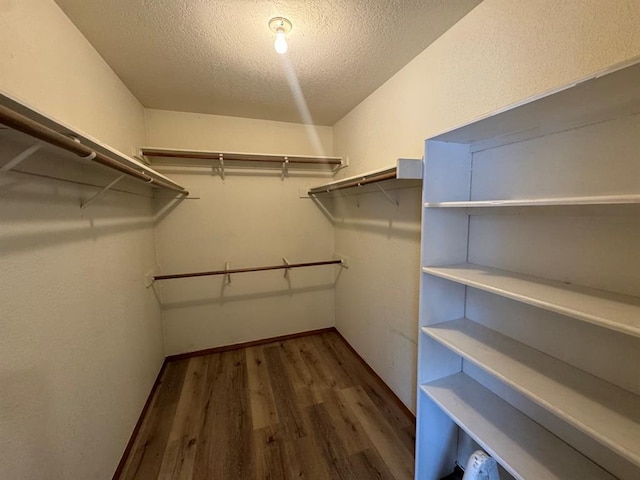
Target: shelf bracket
[(386, 194), (227, 277), (286, 270), (319, 204), (101, 192), (285, 164), (221, 159), (15, 161), (344, 261)]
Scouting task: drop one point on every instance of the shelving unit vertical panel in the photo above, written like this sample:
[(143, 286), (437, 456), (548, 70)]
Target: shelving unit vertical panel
[(439, 361), (445, 234), (436, 446), (442, 300), (445, 239), (447, 174)]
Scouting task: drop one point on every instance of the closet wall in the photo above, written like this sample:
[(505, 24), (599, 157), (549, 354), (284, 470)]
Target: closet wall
[(500, 53), (251, 218), (80, 336)]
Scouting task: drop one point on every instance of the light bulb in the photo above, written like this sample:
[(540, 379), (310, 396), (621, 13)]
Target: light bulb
[(281, 42)]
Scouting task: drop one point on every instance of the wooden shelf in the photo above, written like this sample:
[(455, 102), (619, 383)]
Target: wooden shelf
[(524, 448), (405, 169), (598, 408), (173, 157), (606, 309), (628, 199)]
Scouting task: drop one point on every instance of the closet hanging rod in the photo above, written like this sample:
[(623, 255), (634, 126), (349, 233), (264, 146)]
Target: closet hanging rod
[(23, 124), (245, 270), (364, 180), (246, 157)]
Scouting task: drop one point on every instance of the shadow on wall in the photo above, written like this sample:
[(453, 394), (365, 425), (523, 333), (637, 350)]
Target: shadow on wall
[(36, 214), (163, 205), (222, 298), (374, 213), (20, 242)]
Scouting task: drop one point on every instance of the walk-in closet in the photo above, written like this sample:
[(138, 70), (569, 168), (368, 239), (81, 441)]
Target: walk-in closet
[(323, 240)]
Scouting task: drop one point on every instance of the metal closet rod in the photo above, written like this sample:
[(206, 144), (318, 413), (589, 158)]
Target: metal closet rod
[(26, 125), (247, 157), (245, 270), (373, 178)]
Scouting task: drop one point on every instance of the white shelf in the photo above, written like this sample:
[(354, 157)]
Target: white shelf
[(24, 108), (610, 310), (627, 199), (552, 145), (405, 169), (520, 445), (605, 95), (600, 409)]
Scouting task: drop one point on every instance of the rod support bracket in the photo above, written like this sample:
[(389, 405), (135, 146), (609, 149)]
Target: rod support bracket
[(286, 270), (227, 277), (221, 160), (386, 194), (15, 161), (344, 261), (149, 278), (101, 192)]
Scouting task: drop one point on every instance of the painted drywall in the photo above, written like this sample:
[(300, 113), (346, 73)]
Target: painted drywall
[(80, 336), (46, 61), (252, 218), (500, 53)]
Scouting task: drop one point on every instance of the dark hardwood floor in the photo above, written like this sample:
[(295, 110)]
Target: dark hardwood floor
[(304, 408)]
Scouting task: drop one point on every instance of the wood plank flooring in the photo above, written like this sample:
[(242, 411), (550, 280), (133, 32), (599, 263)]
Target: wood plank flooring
[(304, 408)]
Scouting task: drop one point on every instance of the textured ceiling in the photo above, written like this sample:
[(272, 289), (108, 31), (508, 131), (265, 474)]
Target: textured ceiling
[(217, 56)]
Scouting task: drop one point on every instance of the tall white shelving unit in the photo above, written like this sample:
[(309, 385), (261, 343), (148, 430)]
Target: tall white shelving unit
[(529, 342)]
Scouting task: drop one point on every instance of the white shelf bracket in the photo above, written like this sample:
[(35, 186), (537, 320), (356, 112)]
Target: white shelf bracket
[(344, 261), (319, 204), (386, 194), (227, 277), (101, 192), (221, 158), (149, 279), (356, 198), (15, 161), (285, 164), (286, 270)]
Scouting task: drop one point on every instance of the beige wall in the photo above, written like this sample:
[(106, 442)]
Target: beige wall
[(46, 61), (500, 53), (252, 218), (80, 339), (80, 336)]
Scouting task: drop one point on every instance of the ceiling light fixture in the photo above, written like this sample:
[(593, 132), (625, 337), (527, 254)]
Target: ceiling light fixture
[(280, 26)]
